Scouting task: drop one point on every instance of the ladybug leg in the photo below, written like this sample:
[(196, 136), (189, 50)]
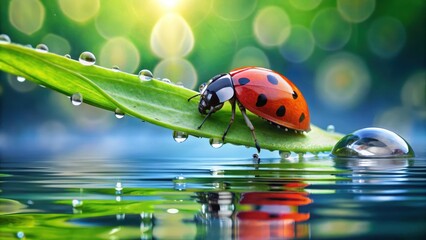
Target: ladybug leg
[(207, 116), (249, 124), (232, 101)]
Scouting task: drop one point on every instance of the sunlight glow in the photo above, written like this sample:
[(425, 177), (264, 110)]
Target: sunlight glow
[(168, 4)]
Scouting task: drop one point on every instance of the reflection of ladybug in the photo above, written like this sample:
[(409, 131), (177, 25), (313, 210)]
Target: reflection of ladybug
[(263, 92)]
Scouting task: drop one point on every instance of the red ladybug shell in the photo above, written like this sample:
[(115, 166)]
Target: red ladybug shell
[(272, 96)]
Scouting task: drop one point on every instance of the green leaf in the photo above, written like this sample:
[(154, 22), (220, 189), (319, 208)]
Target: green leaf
[(154, 101)]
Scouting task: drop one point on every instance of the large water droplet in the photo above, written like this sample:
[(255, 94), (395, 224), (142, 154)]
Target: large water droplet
[(4, 38), (372, 143), (76, 99), (179, 136), (118, 113), (87, 58), (216, 142), (76, 203), (20, 79), (42, 48), (145, 75)]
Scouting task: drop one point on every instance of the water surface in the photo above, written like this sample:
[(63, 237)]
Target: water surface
[(212, 198)]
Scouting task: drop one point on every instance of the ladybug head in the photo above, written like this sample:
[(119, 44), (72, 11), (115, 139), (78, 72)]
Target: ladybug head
[(215, 93)]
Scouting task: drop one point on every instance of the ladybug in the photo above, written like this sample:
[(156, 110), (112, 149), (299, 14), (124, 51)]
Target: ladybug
[(263, 92)]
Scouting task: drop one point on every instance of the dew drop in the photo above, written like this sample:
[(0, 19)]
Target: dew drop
[(42, 48), (87, 58), (118, 113), (145, 75), (20, 79), (76, 203), (179, 136), (76, 99), (115, 68), (20, 235), (166, 80), (4, 39), (372, 143), (330, 128), (216, 142), (67, 56)]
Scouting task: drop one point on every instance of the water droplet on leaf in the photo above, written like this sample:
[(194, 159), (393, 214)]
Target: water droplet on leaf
[(145, 75), (166, 80), (179, 136), (76, 99), (67, 56), (216, 142), (20, 79), (42, 48), (115, 68), (372, 143), (87, 58), (4, 38), (118, 113), (330, 128)]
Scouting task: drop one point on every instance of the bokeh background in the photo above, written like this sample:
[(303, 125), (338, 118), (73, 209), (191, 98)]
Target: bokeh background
[(359, 63)]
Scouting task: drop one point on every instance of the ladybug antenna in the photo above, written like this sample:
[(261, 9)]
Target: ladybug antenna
[(196, 95)]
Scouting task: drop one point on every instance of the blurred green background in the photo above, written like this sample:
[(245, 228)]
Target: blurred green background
[(359, 63)]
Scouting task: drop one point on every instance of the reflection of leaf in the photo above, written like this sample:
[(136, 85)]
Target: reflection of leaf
[(154, 101)]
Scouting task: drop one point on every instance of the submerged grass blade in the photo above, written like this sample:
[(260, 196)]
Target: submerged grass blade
[(154, 101)]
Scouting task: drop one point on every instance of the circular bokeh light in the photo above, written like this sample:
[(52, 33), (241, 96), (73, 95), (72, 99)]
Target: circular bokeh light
[(178, 70), (356, 11), (250, 56), (57, 44), (305, 5), (271, 26), (172, 37), (79, 10), (26, 15), (110, 25), (413, 93), (330, 31), (386, 37), (227, 9), (120, 52), (342, 80), (299, 46)]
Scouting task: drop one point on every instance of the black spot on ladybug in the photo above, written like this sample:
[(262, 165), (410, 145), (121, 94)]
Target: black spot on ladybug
[(261, 100), (280, 111), (294, 94), (243, 81), (272, 79), (302, 117)]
